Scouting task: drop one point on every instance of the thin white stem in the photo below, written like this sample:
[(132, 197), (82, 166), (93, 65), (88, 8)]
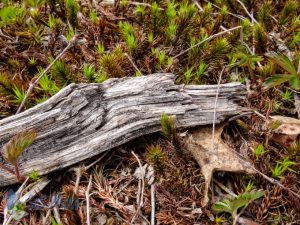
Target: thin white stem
[(223, 28), (141, 3), (140, 193), (5, 36), (246, 10), (236, 218), (33, 189), (152, 204), (56, 215), (207, 39), (247, 46), (78, 172), (253, 35), (87, 196), (225, 188), (7, 217), (259, 114), (96, 161), (232, 14), (133, 64), (271, 180), (198, 6), (253, 20), (34, 81), (44, 219), (215, 108)]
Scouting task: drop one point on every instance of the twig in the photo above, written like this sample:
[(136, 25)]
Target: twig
[(2, 166), (224, 188), (141, 3), (140, 193), (292, 90), (275, 182), (253, 20), (7, 217), (239, 215), (96, 161), (152, 189), (253, 32), (230, 13), (207, 39), (260, 115), (44, 219), (56, 214), (78, 172), (223, 28), (271, 180), (112, 2), (198, 6), (239, 116), (150, 176), (71, 43), (19, 177), (36, 188), (87, 196), (215, 108), (133, 64), (247, 46), (246, 10), (5, 36)]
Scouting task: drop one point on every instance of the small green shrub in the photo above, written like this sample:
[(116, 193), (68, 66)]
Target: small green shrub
[(89, 71), (282, 167), (156, 155), (72, 10), (167, 126), (259, 150)]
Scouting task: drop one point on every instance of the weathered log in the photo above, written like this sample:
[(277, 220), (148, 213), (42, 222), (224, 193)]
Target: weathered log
[(83, 120)]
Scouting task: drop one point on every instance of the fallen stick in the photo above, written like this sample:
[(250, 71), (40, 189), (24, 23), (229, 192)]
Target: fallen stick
[(83, 120)]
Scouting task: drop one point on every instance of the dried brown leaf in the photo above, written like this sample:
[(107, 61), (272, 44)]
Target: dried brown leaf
[(17, 144), (211, 157), (287, 132)]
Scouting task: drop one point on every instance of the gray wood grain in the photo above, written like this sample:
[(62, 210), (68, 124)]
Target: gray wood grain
[(83, 120)]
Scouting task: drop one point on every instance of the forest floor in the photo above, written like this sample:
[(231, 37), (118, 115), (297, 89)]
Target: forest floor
[(256, 43)]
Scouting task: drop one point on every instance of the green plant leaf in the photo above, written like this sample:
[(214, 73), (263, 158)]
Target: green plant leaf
[(275, 80), (48, 85), (295, 82), (245, 198), (53, 221), (223, 206), (9, 15), (232, 205), (284, 62)]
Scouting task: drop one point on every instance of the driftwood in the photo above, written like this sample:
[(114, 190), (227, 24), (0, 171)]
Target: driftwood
[(83, 120)]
